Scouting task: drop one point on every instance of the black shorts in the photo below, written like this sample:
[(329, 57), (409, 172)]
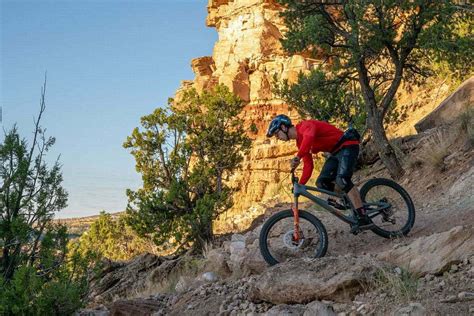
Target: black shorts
[(339, 166)]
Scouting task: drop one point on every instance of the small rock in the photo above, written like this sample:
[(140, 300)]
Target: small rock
[(252, 307), (466, 296), (454, 268), (237, 237), (450, 299), (429, 277), (398, 271), (222, 309), (442, 284), (429, 186), (414, 309), (319, 308), (361, 307), (209, 276)]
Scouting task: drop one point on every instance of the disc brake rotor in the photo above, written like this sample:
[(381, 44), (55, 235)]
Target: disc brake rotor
[(290, 243)]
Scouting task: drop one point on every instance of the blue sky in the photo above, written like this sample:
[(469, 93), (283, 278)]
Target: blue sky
[(108, 63)]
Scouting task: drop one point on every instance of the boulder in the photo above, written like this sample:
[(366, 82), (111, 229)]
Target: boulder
[(462, 190), (306, 280), (253, 260), (433, 254), (450, 109)]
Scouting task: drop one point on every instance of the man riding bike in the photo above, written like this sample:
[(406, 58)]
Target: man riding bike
[(312, 137)]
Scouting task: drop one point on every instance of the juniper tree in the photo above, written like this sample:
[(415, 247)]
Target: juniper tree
[(184, 153), (30, 194), (36, 276)]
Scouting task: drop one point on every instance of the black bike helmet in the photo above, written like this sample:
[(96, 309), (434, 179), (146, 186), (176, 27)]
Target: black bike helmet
[(277, 122)]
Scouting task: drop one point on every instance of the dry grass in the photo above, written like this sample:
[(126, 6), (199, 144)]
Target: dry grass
[(401, 287), (435, 150), (179, 279)]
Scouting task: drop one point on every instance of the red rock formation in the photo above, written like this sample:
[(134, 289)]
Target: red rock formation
[(246, 57)]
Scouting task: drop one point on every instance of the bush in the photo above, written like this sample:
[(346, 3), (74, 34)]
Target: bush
[(30, 293), (113, 239)]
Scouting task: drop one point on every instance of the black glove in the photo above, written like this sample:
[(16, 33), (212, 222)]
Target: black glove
[(294, 162)]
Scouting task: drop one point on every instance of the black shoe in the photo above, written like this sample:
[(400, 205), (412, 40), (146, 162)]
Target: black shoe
[(363, 223)]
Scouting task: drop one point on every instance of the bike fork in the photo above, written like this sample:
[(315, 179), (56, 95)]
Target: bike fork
[(296, 220)]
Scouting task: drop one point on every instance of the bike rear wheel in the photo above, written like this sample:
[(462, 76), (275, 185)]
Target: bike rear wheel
[(397, 219), (275, 240)]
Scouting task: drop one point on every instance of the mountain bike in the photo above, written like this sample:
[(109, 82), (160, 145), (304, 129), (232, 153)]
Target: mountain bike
[(296, 233)]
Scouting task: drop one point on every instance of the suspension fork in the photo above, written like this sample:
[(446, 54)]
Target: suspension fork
[(296, 220)]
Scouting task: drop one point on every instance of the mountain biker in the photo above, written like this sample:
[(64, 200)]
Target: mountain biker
[(314, 136)]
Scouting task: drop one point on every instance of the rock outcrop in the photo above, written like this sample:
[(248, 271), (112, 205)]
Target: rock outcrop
[(246, 58), (121, 280), (305, 280), (434, 254), (450, 109)]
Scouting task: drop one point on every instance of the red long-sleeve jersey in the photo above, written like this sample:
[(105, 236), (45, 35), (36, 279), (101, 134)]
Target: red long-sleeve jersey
[(313, 137)]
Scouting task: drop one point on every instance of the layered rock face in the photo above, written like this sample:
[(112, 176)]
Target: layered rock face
[(247, 57)]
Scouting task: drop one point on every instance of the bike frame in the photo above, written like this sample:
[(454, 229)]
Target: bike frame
[(303, 190)]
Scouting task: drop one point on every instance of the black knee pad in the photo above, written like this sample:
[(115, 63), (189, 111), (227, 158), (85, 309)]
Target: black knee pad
[(325, 184), (344, 183)]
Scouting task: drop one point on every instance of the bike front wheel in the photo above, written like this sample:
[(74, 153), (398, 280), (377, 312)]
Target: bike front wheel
[(276, 242), (398, 217)]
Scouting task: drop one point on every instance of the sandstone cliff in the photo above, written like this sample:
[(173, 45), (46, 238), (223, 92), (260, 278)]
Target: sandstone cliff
[(246, 57)]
